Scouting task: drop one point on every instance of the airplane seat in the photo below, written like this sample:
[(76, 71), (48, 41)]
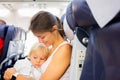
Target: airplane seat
[(1, 45), (102, 58), (13, 48), (3, 31), (7, 36), (78, 23), (79, 15)]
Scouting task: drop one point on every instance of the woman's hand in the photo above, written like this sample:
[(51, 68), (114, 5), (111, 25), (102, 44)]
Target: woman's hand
[(8, 73)]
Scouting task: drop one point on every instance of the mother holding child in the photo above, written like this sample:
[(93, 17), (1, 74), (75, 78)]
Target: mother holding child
[(49, 31)]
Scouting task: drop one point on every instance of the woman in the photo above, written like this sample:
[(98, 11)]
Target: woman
[(48, 29)]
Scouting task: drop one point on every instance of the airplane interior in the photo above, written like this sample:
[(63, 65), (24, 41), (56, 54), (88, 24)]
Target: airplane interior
[(89, 25)]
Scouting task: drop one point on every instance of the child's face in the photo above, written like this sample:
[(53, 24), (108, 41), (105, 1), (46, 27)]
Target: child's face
[(37, 57)]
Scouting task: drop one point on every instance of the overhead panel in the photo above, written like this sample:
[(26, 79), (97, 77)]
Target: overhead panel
[(34, 0)]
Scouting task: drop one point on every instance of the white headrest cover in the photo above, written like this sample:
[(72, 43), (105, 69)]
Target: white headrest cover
[(69, 33), (104, 10)]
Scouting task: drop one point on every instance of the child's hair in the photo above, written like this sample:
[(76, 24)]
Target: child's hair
[(41, 46)]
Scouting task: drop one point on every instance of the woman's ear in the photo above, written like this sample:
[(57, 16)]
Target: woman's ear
[(55, 27)]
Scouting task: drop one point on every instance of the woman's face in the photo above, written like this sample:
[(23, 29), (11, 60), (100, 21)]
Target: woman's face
[(46, 37)]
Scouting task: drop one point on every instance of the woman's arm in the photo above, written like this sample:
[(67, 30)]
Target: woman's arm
[(21, 77), (59, 64)]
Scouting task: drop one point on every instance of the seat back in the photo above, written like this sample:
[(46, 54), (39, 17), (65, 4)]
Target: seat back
[(3, 31), (9, 36), (102, 57), (13, 48), (1, 45), (81, 22)]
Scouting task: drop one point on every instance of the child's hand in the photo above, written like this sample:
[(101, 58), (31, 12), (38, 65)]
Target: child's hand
[(8, 73)]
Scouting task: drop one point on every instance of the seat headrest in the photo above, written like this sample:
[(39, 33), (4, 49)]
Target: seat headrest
[(3, 31), (79, 14), (69, 17), (82, 13)]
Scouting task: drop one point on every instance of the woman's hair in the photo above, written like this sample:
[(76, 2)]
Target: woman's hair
[(44, 21), (40, 46)]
